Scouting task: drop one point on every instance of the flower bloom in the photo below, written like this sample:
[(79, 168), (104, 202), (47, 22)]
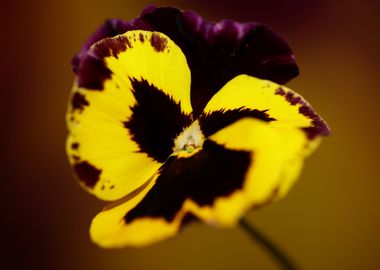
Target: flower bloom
[(175, 118)]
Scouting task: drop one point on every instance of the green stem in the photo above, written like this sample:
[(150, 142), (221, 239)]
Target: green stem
[(270, 247)]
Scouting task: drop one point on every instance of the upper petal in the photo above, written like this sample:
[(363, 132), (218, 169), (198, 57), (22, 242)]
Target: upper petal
[(216, 52), (220, 51)]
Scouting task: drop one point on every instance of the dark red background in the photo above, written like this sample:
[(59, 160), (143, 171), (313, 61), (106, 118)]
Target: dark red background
[(330, 220)]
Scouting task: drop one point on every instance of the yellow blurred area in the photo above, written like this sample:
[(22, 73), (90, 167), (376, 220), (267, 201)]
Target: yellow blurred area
[(330, 220)]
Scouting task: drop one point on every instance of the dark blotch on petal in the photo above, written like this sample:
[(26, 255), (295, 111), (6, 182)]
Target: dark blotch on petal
[(203, 177), (78, 101), (156, 120), (75, 146), (280, 91), (92, 73), (112, 46), (87, 173), (291, 97), (319, 127), (294, 99), (213, 122), (158, 43)]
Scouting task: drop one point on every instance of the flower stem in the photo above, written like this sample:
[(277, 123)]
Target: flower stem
[(270, 247)]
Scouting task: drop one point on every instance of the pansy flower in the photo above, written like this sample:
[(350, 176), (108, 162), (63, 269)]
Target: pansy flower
[(175, 118)]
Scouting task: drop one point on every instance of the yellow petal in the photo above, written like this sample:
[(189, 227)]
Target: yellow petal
[(119, 135), (274, 102)]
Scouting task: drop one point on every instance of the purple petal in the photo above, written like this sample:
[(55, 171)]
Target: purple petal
[(215, 52)]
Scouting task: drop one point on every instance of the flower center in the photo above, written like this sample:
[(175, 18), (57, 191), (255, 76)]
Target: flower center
[(189, 141)]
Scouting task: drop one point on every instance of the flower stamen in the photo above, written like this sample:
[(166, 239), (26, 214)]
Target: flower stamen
[(189, 141)]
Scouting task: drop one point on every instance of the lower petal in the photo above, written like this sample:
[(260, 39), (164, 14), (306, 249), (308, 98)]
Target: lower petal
[(242, 166), (246, 164), (160, 210)]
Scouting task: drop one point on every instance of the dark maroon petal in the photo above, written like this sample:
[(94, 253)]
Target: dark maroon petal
[(215, 52)]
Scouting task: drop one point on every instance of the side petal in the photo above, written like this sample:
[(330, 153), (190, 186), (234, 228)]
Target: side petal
[(265, 100), (126, 109)]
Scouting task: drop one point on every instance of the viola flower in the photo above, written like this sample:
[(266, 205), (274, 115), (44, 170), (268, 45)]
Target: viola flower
[(175, 118)]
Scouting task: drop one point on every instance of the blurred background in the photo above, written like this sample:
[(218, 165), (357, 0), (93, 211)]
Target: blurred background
[(330, 220)]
